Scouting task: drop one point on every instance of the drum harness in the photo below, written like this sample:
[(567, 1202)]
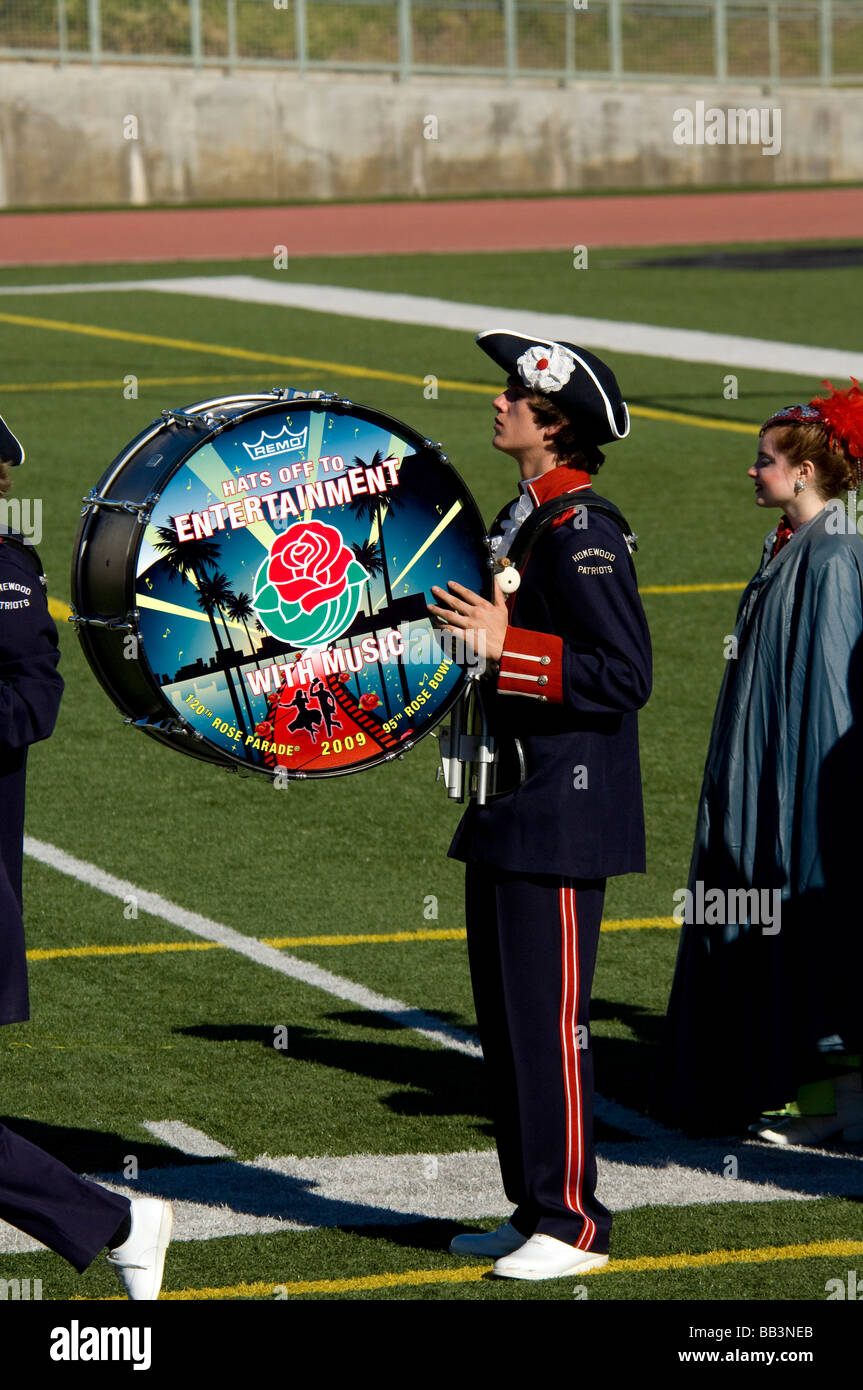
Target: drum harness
[(18, 542), (470, 757)]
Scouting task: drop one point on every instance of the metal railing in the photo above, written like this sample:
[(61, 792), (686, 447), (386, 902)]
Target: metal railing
[(768, 42)]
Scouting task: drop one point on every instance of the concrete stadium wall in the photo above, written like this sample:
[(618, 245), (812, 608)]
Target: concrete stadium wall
[(66, 136)]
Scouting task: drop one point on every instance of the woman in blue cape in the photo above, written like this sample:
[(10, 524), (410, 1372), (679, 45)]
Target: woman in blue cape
[(765, 1010)]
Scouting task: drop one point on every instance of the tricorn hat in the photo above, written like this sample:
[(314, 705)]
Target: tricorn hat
[(10, 448), (581, 385)]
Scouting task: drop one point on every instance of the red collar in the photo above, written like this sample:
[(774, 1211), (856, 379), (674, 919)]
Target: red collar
[(783, 536), (556, 482)]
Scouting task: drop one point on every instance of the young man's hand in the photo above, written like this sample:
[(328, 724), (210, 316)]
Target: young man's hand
[(470, 614)]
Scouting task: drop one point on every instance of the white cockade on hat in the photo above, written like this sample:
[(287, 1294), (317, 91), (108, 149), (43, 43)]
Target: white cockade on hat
[(546, 368)]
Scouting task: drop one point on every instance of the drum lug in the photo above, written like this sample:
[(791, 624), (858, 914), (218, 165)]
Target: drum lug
[(431, 444), (142, 510), (181, 417), (290, 393), (217, 423), (164, 726), (111, 624)]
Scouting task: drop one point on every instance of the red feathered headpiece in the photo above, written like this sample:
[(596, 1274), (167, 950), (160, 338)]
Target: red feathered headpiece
[(842, 413)]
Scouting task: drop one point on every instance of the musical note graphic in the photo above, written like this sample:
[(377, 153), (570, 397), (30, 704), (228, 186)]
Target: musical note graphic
[(189, 485), (148, 582), (437, 566), (438, 509), (165, 633)]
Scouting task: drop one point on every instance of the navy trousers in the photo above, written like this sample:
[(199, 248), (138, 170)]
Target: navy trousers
[(532, 944), (40, 1195)]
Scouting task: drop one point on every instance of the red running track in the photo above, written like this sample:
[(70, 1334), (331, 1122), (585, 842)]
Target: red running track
[(510, 224)]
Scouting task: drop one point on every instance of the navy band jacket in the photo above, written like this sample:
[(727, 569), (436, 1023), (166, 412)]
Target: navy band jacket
[(575, 670)]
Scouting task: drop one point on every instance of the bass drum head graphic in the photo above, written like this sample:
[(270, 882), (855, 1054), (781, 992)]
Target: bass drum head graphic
[(250, 583)]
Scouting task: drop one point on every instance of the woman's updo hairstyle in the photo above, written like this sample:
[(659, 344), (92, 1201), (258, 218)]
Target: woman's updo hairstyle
[(828, 432)]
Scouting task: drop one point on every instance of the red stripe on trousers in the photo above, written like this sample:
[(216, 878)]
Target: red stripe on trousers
[(574, 1119)]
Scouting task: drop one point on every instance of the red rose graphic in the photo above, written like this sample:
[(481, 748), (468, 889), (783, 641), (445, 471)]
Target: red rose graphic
[(308, 564), (369, 700)]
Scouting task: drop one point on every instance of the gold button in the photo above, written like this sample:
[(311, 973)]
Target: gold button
[(545, 661), (542, 680)]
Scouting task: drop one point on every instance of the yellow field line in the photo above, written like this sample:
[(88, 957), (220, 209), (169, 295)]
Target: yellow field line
[(691, 588), (633, 923), (340, 368), (816, 1249), (469, 1274), (703, 422), (244, 354), (375, 938), (141, 948), (154, 948), (115, 383)]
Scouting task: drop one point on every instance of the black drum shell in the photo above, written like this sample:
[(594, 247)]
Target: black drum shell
[(108, 542)]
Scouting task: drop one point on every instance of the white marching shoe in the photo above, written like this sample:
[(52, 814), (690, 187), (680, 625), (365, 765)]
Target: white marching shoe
[(490, 1244), (140, 1260), (546, 1257)]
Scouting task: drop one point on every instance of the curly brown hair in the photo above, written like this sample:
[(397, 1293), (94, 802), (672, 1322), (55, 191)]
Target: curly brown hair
[(567, 443), (801, 441)]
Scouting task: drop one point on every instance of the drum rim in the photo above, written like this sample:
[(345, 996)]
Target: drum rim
[(262, 404)]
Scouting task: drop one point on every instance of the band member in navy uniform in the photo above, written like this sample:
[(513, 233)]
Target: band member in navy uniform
[(38, 1194), (568, 665)]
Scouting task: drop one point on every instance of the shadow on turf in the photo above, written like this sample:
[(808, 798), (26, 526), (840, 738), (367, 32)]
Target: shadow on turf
[(95, 1151), (442, 1082)]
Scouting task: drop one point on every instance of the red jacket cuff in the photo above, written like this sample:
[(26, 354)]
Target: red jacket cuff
[(531, 664)]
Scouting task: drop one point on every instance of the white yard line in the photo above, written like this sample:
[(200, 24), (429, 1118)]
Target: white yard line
[(425, 1024), (187, 1140), (308, 974), (611, 335), (269, 1195)]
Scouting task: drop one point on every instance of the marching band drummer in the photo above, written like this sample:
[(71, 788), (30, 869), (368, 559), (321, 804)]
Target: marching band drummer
[(570, 664), (38, 1194)]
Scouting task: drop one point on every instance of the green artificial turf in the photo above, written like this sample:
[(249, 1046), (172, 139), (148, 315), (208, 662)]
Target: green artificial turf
[(116, 1040)]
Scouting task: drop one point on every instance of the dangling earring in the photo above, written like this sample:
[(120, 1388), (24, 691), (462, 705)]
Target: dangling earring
[(799, 485)]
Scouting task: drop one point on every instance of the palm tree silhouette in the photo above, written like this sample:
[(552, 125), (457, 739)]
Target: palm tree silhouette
[(371, 506), (368, 553), (196, 557), (186, 557), (215, 590), (239, 609), (211, 595)]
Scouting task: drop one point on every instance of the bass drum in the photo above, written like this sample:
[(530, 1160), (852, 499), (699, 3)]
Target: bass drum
[(250, 581)]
